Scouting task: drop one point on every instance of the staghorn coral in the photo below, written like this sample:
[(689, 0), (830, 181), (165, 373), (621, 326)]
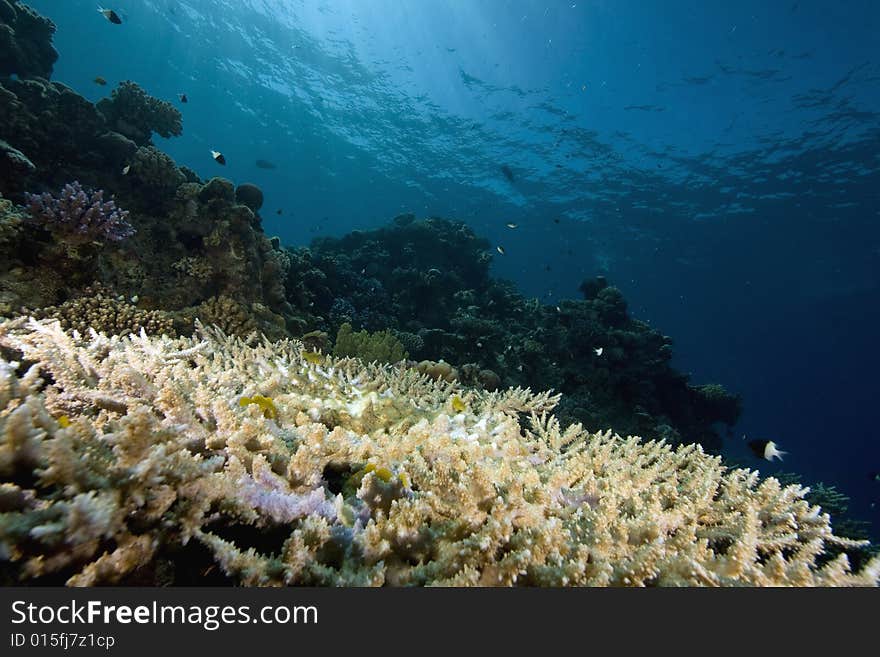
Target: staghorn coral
[(361, 474), (382, 346), (78, 217)]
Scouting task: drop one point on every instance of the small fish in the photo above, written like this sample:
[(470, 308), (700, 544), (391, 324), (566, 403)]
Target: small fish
[(874, 476), (63, 421), (279, 211), (126, 169), (110, 15), (507, 172), (100, 81), (183, 98), (511, 226), (264, 164), (458, 405), (500, 249), (312, 357), (556, 221), (218, 157), (598, 350), (766, 449), (558, 309)]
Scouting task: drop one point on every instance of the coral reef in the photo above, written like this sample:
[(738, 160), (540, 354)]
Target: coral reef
[(78, 216), (154, 179), (380, 347), (209, 459), (14, 163), (428, 281), (250, 195), (55, 129), (97, 309), (228, 315), (135, 114), (25, 41)]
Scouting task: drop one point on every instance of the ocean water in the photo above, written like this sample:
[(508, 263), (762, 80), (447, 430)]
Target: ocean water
[(719, 162)]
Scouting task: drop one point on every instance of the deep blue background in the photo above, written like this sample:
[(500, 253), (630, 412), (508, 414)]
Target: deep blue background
[(718, 161)]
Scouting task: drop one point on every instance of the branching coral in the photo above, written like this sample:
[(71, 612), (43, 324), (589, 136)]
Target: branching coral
[(78, 216), (361, 474)]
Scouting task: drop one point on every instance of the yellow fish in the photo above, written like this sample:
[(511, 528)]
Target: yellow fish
[(382, 472), (63, 421), (270, 412), (312, 357), (458, 405)]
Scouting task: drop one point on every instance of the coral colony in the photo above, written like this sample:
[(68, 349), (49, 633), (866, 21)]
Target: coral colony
[(77, 215), (200, 404)]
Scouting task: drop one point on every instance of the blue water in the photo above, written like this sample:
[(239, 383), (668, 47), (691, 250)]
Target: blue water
[(718, 161)]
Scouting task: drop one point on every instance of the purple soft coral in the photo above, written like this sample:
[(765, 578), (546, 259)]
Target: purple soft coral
[(80, 216)]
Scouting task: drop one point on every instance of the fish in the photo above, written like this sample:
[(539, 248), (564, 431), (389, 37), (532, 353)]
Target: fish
[(110, 15), (264, 164), (457, 404), (126, 169), (100, 81), (279, 211), (218, 157), (766, 449), (500, 249), (63, 421), (599, 350), (507, 172), (312, 357), (511, 226), (183, 98), (874, 476)]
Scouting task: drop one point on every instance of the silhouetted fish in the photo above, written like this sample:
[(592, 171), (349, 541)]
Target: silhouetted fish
[(183, 98), (507, 172), (111, 16), (265, 164)]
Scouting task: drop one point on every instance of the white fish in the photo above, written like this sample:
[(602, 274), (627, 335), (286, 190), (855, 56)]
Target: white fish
[(599, 350)]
